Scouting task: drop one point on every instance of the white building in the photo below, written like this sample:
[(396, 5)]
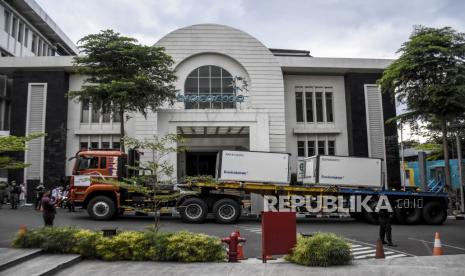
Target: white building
[(294, 103)]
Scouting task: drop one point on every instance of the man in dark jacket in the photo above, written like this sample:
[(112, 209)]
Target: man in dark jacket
[(39, 193), (48, 209), (15, 190), (385, 229)]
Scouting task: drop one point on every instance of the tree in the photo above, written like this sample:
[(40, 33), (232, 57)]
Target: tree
[(159, 168), (429, 77), (11, 143), (123, 76)]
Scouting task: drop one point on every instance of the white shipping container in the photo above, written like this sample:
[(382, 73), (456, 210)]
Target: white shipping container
[(343, 171), (252, 166)]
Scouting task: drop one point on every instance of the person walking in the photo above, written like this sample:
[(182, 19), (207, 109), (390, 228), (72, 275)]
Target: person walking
[(48, 209), (39, 193), (15, 190), (22, 195), (385, 229)]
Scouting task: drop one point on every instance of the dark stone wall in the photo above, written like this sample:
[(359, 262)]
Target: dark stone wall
[(55, 122), (356, 123)]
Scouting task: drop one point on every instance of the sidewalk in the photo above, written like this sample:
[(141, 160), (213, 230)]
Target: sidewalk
[(412, 266)]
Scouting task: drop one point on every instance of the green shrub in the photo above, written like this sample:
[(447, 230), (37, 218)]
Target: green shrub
[(126, 245), (50, 239), (184, 246), (86, 243), (321, 249)]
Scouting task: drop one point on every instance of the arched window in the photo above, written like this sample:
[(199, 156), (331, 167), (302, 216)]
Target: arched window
[(206, 82)]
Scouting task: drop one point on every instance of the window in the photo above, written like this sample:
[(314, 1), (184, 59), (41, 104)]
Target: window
[(329, 106), (209, 80), (103, 162), (87, 162), (85, 107), (39, 48), (319, 104), (99, 142), (14, 29), (299, 106), (34, 44), (301, 148), (44, 49), (321, 147), (26, 37), (106, 117), (310, 148), (95, 114), (309, 103), (314, 104), (331, 147), (20, 32), (7, 22)]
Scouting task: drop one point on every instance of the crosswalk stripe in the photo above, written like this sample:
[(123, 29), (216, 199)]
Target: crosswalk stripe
[(363, 252), (364, 256), (355, 245), (360, 248), (396, 256)]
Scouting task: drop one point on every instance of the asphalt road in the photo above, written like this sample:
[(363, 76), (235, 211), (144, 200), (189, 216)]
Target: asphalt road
[(413, 240)]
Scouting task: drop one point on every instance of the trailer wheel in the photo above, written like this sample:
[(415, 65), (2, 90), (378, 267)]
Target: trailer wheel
[(434, 213), (226, 211), (101, 208), (408, 216), (193, 210)]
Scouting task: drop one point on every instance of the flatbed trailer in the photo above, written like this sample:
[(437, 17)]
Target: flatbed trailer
[(96, 172)]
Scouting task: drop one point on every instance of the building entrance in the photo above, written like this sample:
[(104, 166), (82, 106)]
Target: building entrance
[(200, 163)]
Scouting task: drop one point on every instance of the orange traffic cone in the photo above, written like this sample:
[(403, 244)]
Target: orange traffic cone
[(437, 250), (379, 250)]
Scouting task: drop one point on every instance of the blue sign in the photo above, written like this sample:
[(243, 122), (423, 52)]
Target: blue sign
[(209, 98)]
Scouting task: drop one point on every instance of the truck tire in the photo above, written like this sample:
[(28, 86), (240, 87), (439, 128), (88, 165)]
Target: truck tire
[(101, 208), (193, 210), (226, 211), (408, 216), (434, 213)]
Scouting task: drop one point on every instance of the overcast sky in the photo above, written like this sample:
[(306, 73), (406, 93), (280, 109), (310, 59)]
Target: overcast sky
[(328, 28)]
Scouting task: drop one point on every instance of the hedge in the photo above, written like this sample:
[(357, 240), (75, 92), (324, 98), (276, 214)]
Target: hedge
[(321, 249), (180, 246)]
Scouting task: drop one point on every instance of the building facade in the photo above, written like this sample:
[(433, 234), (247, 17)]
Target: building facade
[(25, 31), (233, 93)]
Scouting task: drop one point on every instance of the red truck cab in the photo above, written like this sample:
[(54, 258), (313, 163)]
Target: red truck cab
[(92, 172)]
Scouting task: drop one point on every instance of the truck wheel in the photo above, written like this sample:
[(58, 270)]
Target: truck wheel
[(408, 216), (193, 210), (226, 211), (101, 208), (434, 213)]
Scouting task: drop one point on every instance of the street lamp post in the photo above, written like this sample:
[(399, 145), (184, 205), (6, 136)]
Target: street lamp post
[(459, 161)]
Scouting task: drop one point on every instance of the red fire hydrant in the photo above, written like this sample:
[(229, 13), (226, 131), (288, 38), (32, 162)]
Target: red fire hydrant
[(233, 242)]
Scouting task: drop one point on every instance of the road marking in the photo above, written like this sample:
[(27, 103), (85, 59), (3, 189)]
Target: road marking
[(456, 247), (396, 256), (364, 252), (361, 248), (373, 245)]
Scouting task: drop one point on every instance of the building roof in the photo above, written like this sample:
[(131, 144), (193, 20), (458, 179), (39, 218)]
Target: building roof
[(32, 12), (309, 64)]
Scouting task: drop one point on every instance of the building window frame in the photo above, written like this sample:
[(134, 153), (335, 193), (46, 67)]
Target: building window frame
[(306, 103), (307, 142)]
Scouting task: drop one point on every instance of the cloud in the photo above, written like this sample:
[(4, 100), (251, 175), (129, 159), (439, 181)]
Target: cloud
[(356, 28)]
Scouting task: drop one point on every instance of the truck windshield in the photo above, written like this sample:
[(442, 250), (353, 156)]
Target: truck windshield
[(87, 162)]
